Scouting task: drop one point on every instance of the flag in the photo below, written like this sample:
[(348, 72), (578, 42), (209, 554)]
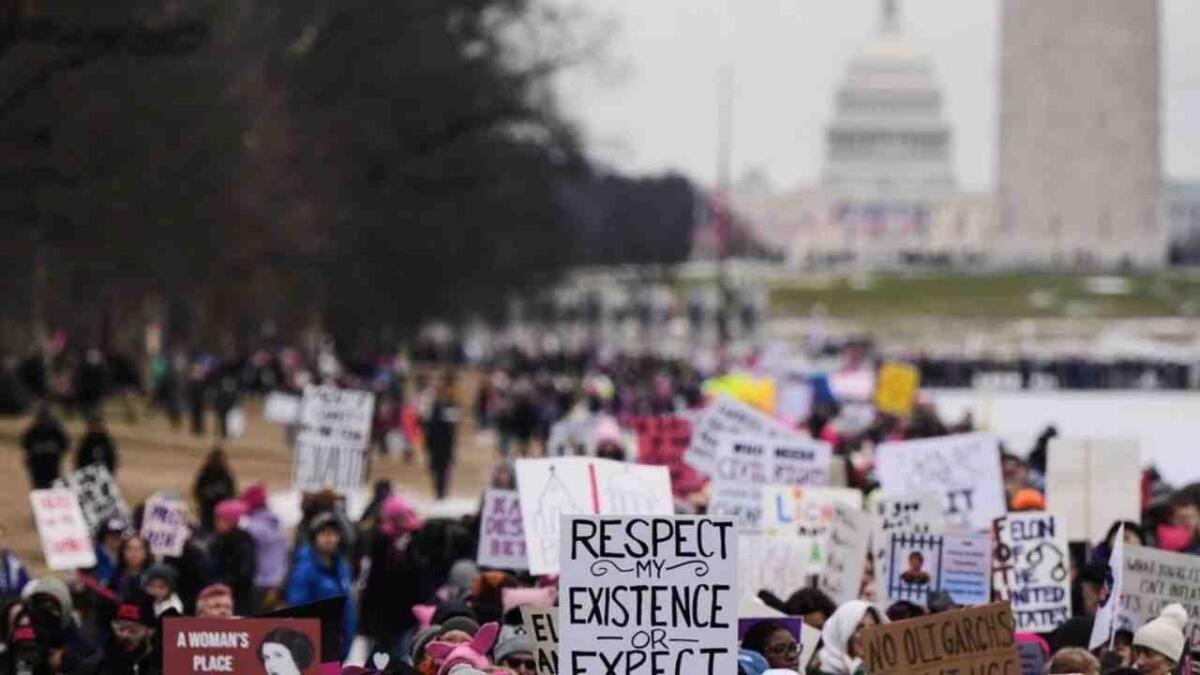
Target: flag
[(1105, 626)]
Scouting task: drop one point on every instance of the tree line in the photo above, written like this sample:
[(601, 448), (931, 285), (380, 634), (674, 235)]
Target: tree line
[(352, 167)]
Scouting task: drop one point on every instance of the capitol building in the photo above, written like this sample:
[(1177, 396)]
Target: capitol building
[(1078, 171)]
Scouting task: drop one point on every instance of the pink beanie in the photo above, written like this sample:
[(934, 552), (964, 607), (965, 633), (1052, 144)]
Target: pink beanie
[(399, 513), (231, 509), (255, 496)]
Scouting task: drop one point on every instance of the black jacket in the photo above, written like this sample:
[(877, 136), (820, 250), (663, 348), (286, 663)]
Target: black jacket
[(97, 447), (393, 586), (231, 558), (44, 443)]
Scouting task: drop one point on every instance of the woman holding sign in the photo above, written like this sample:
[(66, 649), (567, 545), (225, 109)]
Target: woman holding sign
[(842, 653)]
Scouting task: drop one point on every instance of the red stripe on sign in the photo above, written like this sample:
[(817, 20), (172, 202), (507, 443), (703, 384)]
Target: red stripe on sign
[(595, 489)]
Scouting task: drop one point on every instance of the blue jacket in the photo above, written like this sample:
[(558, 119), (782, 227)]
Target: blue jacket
[(311, 581), (13, 575)]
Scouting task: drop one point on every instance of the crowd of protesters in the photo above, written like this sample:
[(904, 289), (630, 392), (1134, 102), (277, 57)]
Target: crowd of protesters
[(412, 588)]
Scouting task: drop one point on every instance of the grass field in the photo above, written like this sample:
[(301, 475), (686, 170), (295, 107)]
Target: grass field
[(996, 296)]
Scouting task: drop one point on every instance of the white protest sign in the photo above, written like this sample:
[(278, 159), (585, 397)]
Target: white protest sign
[(165, 526), (1108, 615), (1031, 570), (282, 408), (541, 627), (745, 464), (335, 427), (919, 513), (66, 539), (964, 469), (921, 564), (1096, 481), (807, 513), (781, 565), (501, 534), (727, 417), (98, 494), (572, 437), (551, 488), (846, 554), (1153, 579), (648, 595)]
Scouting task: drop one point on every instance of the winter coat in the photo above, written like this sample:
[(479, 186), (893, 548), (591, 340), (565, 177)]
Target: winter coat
[(311, 580), (13, 575), (192, 567), (44, 444), (440, 429), (231, 558), (392, 588), (97, 447), (270, 547)]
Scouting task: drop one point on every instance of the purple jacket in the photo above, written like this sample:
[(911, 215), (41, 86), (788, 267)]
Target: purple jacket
[(270, 547)]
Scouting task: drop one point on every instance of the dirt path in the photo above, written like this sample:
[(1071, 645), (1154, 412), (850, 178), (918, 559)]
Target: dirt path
[(152, 457)]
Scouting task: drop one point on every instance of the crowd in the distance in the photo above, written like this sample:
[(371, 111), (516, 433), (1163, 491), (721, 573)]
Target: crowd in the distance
[(413, 589)]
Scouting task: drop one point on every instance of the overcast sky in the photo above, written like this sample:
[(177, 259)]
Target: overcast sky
[(650, 106)]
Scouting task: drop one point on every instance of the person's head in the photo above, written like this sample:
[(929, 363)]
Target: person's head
[(504, 477), (397, 516), (49, 600), (609, 441), (95, 423), (812, 605), (1158, 645), (1073, 660), (135, 554), (285, 651), (228, 514), (904, 609), (842, 632), (133, 625), (775, 642), (112, 531), (159, 582), (1133, 533), (916, 561), (215, 602), (1123, 647), (216, 459), (255, 496), (326, 534), (1185, 514), (516, 654)]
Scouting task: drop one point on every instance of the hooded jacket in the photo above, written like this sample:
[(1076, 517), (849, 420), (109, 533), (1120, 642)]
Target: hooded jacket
[(839, 628), (270, 547), (311, 581)]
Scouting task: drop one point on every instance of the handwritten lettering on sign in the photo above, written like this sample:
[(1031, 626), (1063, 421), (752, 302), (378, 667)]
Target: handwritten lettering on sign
[(964, 469), (975, 641), (644, 595), (1031, 569), (541, 624), (334, 428), (502, 536), (1155, 579), (915, 514)]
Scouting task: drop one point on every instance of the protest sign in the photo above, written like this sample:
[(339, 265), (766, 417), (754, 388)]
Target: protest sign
[(98, 494), (1031, 570), (1153, 579), (727, 417), (963, 469), (541, 627), (203, 646), (845, 554), (1104, 627), (746, 463), (919, 513), (776, 564), (572, 437), (335, 426), (896, 389), (281, 408), (550, 488), (1096, 481), (805, 513), (165, 525), (921, 564), (501, 534), (976, 640), (648, 594), (66, 540)]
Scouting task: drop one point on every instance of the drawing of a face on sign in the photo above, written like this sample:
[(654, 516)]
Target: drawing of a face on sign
[(286, 652)]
